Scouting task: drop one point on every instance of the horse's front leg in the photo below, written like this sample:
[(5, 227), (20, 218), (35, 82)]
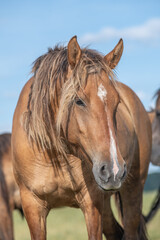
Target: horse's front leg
[(111, 228), (92, 207), (93, 220), (35, 212), (133, 222)]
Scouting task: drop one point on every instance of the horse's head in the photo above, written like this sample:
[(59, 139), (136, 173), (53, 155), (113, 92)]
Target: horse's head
[(91, 123)]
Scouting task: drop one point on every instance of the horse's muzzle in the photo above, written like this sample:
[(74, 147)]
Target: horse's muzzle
[(106, 178)]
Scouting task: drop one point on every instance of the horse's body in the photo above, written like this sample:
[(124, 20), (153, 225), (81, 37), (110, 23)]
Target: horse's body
[(9, 192), (6, 224), (154, 116), (7, 169), (95, 136)]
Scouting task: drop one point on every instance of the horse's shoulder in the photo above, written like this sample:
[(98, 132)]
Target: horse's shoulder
[(140, 121), (132, 102), (136, 109), (126, 93)]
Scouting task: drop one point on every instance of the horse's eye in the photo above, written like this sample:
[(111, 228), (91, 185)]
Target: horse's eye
[(79, 102)]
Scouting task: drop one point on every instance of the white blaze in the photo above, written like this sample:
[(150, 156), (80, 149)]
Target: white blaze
[(102, 93), (113, 154)]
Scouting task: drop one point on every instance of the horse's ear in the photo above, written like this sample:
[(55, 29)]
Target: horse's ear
[(114, 56), (74, 52)]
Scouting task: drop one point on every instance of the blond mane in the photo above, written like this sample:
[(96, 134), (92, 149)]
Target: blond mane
[(52, 94)]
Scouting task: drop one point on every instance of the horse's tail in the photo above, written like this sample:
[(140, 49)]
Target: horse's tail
[(154, 208)]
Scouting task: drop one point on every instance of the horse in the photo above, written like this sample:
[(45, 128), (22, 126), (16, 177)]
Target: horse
[(6, 222), (154, 116), (7, 169), (78, 136), (9, 191)]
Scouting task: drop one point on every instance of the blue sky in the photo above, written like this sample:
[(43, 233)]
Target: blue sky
[(28, 28)]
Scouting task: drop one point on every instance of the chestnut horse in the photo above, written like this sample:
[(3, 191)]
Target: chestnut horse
[(7, 169), (154, 116), (6, 223), (78, 136)]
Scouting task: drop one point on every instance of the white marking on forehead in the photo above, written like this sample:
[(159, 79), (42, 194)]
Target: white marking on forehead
[(113, 154), (102, 93)]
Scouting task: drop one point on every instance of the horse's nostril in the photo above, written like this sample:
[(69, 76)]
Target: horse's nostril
[(103, 170), (124, 174), (104, 173), (121, 173)]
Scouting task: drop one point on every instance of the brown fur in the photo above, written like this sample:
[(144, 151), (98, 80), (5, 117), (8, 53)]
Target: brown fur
[(5, 143), (63, 111), (7, 169), (6, 224), (9, 196), (154, 116)]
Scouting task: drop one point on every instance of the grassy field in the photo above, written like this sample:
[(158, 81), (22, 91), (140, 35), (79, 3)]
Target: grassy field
[(69, 223)]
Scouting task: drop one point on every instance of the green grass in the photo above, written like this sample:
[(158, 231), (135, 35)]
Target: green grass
[(153, 226), (68, 223)]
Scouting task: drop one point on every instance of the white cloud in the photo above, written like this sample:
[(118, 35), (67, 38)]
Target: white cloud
[(149, 31)]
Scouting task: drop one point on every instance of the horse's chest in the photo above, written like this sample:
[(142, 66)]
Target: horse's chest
[(57, 188)]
